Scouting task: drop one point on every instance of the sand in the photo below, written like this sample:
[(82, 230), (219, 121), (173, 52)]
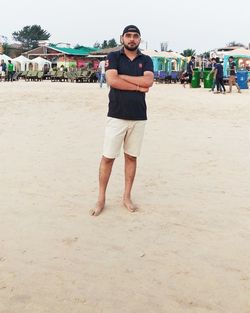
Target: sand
[(185, 251)]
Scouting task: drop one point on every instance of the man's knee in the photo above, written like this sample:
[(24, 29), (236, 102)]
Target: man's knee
[(107, 160), (130, 157)]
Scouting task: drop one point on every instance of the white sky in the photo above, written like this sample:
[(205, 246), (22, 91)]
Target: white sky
[(197, 24)]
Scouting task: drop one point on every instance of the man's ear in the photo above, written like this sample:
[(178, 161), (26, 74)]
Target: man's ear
[(121, 40)]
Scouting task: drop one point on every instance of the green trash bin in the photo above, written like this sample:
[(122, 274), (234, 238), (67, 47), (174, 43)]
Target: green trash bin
[(196, 79), (207, 78)]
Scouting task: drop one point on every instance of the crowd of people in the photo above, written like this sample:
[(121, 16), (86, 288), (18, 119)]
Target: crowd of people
[(216, 73)]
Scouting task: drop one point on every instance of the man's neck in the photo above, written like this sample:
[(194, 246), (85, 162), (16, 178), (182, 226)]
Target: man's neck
[(130, 54)]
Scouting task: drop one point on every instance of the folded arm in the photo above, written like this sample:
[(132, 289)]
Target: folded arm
[(124, 82), (145, 81)]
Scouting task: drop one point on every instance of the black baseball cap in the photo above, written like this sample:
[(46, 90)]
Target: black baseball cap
[(132, 29)]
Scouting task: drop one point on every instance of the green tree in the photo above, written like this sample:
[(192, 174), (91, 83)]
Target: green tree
[(206, 54), (188, 52), (30, 35), (97, 45), (235, 43), (6, 48), (104, 44), (112, 43)]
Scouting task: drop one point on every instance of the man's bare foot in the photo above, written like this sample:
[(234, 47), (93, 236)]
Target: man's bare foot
[(129, 205), (98, 208)]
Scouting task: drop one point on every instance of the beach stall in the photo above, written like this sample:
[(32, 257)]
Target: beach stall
[(22, 64), (242, 60), (166, 64), (5, 57), (41, 64), (62, 55)]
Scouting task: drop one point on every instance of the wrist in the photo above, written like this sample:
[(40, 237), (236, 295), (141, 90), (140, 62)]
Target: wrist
[(138, 88)]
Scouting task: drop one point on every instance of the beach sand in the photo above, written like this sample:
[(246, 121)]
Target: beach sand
[(187, 248)]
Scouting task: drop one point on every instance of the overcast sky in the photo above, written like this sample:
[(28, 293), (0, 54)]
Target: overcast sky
[(196, 24)]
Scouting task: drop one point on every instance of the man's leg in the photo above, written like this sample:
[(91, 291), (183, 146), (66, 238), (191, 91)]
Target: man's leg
[(190, 80), (230, 81), (104, 175), (213, 85), (130, 170), (222, 85), (217, 85), (237, 86), (101, 80)]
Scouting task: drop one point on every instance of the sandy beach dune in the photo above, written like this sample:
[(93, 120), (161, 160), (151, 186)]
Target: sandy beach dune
[(185, 251)]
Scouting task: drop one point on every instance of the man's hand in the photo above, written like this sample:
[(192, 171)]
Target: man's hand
[(131, 83), (146, 80), (143, 89)]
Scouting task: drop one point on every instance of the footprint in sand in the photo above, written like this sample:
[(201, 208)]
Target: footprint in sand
[(70, 241)]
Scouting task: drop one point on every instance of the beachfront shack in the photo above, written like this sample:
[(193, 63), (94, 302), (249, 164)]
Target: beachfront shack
[(242, 60), (97, 56), (22, 63), (167, 65), (5, 57), (41, 64), (166, 61), (62, 54)]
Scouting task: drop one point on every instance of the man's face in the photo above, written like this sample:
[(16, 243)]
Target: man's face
[(131, 41)]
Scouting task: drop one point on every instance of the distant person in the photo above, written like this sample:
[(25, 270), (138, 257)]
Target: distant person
[(184, 78), (219, 76), (190, 70), (101, 68), (209, 64), (214, 62), (3, 70), (232, 75), (10, 71)]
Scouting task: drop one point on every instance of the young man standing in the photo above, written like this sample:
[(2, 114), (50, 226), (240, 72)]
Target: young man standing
[(190, 70), (232, 75), (10, 71), (217, 72), (101, 68), (129, 74), (3, 71)]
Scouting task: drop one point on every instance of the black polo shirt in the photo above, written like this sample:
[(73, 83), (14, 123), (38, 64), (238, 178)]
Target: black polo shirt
[(125, 104), (232, 67), (190, 67)]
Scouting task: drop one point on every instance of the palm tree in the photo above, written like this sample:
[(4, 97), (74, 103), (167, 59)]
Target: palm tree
[(188, 52)]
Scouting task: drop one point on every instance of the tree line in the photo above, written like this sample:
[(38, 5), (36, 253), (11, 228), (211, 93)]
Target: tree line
[(29, 36)]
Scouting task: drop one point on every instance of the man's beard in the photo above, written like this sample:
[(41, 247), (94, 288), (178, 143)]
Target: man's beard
[(133, 48)]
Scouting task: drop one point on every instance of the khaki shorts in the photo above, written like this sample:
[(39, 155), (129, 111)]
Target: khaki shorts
[(123, 132), (232, 80)]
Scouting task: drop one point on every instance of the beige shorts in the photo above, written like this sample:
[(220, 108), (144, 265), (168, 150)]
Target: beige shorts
[(123, 132)]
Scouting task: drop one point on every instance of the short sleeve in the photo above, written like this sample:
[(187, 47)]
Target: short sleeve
[(111, 61), (148, 66)]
